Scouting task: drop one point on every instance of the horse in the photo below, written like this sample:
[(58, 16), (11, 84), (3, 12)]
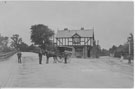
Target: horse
[(50, 54)]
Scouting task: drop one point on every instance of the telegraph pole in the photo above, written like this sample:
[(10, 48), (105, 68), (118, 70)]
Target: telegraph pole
[(129, 43)]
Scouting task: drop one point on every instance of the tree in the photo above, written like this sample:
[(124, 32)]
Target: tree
[(40, 35), (16, 41), (104, 52), (112, 50), (3, 42), (121, 50), (23, 47), (31, 47), (96, 50)]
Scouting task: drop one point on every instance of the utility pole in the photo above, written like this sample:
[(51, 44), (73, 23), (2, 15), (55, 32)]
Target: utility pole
[(98, 53), (129, 43)]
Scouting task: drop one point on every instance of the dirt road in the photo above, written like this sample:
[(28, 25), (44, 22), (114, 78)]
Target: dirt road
[(105, 72)]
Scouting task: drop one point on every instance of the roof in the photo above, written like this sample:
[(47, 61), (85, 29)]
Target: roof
[(70, 33)]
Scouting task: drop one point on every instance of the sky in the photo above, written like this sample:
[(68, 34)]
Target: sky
[(112, 21)]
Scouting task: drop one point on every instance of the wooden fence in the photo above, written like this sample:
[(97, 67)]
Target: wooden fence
[(7, 55)]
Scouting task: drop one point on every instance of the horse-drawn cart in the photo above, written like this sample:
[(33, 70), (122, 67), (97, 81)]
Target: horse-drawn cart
[(59, 54), (64, 53)]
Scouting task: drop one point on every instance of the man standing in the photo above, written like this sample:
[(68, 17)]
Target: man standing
[(40, 57), (19, 54), (121, 59)]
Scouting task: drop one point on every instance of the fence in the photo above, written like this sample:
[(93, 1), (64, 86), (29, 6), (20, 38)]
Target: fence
[(7, 55)]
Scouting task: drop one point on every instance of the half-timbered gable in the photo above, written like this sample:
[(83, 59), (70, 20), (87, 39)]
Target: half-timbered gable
[(81, 40)]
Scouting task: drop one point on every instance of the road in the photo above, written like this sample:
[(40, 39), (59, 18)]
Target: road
[(104, 72)]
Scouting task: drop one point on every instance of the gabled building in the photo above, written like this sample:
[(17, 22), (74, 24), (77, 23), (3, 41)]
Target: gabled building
[(81, 40)]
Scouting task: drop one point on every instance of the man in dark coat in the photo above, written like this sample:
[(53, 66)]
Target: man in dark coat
[(19, 54), (40, 57)]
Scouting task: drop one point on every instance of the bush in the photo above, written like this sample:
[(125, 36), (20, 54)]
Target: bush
[(6, 49)]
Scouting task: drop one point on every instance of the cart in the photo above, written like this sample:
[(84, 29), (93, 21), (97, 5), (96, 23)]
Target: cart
[(64, 54)]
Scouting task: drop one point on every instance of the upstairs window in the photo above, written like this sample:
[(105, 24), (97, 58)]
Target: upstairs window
[(76, 39)]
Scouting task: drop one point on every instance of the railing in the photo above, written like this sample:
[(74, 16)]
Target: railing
[(7, 55)]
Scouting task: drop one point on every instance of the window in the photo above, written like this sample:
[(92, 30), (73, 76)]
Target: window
[(76, 39)]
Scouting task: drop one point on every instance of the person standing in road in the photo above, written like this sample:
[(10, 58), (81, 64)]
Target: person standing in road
[(40, 57), (19, 54), (121, 59)]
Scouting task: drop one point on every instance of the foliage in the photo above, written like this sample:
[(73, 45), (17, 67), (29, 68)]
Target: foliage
[(7, 49), (104, 52), (33, 48), (95, 51), (16, 41), (23, 47), (113, 49), (40, 35), (123, 49), (3, 42)]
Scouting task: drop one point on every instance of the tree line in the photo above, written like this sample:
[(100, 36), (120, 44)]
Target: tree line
[(15, 44), (41, 37), (126, 49)]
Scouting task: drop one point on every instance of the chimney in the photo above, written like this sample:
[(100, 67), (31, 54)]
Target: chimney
[(65, 29), (82, 28)]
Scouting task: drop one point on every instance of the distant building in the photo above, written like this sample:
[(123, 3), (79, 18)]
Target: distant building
[(81, 40)]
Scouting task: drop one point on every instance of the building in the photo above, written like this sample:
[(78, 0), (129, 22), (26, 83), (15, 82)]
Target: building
[(81, 40)]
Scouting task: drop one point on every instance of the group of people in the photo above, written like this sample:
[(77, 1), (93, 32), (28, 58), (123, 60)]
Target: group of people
[(40, 54)]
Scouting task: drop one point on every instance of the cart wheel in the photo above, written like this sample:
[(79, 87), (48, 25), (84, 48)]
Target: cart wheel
[(60, 59)]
